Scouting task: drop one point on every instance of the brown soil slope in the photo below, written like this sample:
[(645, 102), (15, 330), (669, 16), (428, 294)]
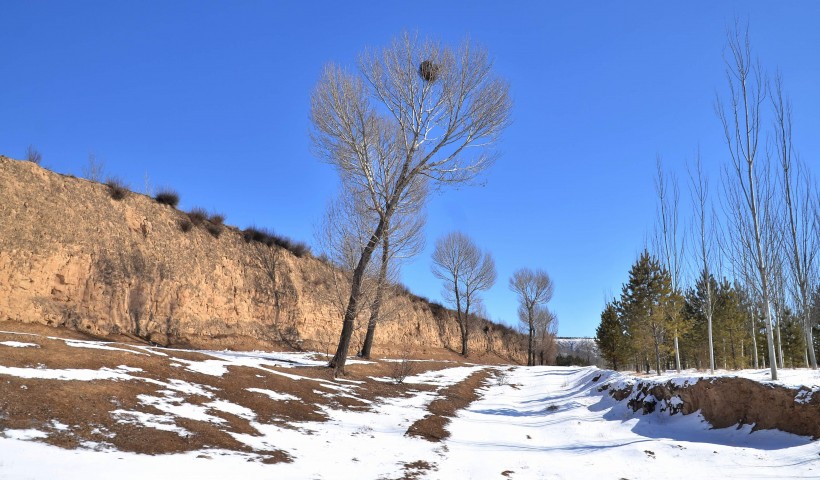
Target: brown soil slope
[(729, 401), (71, 255)]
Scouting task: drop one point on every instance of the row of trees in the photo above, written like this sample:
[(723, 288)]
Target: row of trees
[(751, 252), (466, 271), (636, 329)]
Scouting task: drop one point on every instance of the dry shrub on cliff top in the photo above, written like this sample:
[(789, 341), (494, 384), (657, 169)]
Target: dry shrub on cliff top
[(197, 216), (117, 188), (167, 196), (215, 224), (267, 237), (33, 156), (185, 225)]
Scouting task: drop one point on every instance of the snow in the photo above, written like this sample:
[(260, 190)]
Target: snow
[(27, 434), (543, 422), (66, 374), (536, 422), (14, 344), (273, 395), (99, 346)]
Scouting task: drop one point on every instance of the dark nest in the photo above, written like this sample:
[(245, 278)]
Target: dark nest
[(428, 71)]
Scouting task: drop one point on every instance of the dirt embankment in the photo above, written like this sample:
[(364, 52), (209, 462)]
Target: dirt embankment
[(728, 401), (71, 255)]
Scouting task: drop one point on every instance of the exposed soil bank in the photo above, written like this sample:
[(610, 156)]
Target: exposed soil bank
[(71, 255), (726, 401)]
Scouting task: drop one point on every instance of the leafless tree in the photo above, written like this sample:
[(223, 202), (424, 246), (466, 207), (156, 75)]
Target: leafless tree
[(748, 178), (95, 169), (534, 289), (802, 228), (389, 129), (704, 244), (465, 271), (669, 243), (546, 328)]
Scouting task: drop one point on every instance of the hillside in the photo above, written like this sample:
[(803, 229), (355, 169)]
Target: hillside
[(71, 255), (72, 407)]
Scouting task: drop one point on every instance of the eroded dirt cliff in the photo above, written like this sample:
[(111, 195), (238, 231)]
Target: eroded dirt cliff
[(725, 402), (71, 255)]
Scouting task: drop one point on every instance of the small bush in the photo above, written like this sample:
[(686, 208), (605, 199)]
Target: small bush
[(197, 216), (253, 234), (264, 236), (33, 156), (300, 249), (166, 196), (185, 225), (216, 224), (117, 188), (401, 370), (217, 219)]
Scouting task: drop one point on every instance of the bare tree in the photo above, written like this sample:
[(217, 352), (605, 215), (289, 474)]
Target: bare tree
[(95, 169), (546, 328), (704, 243), (397, 125), (465, 271), (534, 289), (802, 227), (748, 177), (669, 244)]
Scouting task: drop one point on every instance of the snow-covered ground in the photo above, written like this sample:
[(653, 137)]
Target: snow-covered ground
[(529, 423)]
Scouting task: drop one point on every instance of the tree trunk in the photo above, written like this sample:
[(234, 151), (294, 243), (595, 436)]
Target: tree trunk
[(530, 352), (337, 363), (780, 362), (810, 341), (754, 340), (375, 308), (677, 353)]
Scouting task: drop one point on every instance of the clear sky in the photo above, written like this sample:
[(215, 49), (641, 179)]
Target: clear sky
[(212, 99)]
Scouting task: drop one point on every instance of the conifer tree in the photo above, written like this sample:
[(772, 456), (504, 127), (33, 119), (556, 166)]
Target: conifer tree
[(644, 305), (610, 338)]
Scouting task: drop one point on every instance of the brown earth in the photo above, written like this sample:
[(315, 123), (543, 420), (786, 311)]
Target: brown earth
[(74, 412), (72, 256), (729, 401)]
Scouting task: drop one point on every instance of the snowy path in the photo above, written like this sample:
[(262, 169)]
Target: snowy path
[(553, 425)]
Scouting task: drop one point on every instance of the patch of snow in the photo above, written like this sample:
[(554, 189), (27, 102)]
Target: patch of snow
[(98, 346), (160, 422), (178, 407), (12, 343), (273, 395), (56, 425), (79, 374), (26, 434), (232, 408)]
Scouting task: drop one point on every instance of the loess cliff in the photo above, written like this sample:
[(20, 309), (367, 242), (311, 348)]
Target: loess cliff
[(71, 255)]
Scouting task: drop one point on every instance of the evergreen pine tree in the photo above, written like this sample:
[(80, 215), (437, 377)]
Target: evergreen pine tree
[(610, 338), (646, 301)]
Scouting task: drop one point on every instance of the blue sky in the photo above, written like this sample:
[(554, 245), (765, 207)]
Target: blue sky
[(212, 99)]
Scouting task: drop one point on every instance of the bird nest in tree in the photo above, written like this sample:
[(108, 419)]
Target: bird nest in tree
[(428, 71)]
